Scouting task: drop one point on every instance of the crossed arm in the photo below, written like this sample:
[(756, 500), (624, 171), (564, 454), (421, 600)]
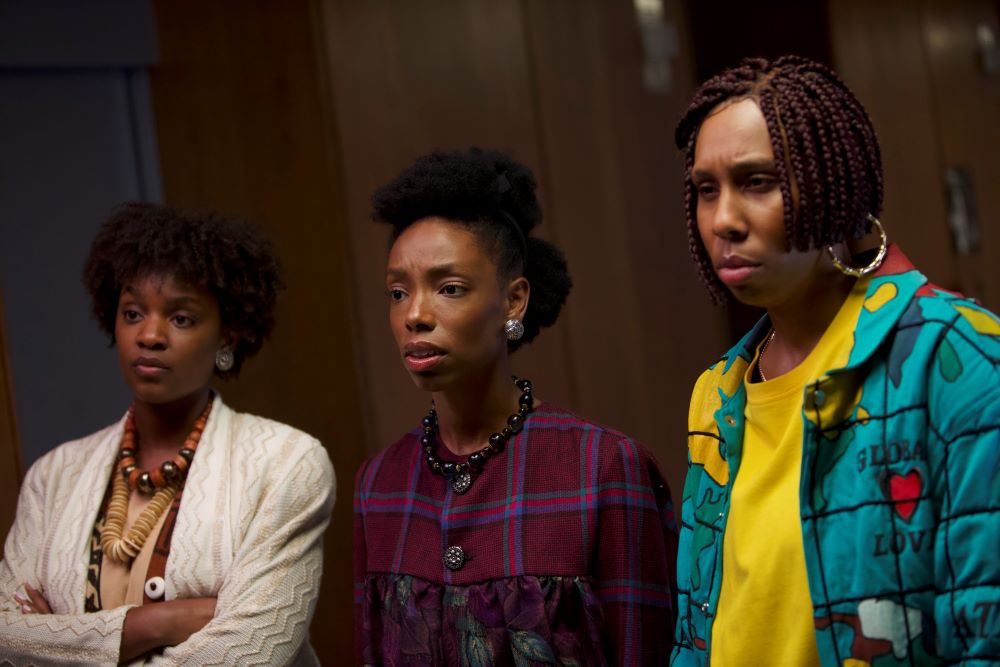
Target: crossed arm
[(271, 587)]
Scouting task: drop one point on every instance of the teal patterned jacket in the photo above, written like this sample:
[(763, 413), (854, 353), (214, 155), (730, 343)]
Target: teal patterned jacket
[(900, 484)]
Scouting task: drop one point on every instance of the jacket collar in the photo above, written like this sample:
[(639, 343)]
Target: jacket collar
[(890, 291)]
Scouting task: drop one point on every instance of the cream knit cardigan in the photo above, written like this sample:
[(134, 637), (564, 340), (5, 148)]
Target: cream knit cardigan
[(249, 531)]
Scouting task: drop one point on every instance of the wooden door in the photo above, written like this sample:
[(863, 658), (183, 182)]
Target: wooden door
[(244, 128), (918, 67), (559, 84)]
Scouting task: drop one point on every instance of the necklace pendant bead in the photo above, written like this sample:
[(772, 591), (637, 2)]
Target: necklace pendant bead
[(460, 483), (169, 470), (154, 588), (515, 422), (144, 483)]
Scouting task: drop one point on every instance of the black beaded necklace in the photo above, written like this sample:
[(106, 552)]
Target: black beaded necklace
[(461, 474)]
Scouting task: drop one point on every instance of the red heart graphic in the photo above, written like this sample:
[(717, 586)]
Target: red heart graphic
[(905, 490)]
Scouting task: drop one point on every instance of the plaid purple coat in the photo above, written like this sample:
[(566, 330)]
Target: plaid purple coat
[(570, 541)]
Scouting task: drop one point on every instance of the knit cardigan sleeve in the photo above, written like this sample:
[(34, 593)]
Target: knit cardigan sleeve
[(268, 597), (68, 636)]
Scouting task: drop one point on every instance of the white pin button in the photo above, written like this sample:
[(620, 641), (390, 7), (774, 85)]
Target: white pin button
[(155, 588)]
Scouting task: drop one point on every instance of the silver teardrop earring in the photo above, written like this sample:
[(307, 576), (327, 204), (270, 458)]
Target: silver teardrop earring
[(513, 329), (224, 359)]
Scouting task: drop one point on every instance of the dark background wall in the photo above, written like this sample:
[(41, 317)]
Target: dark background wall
[(291, 113), (77, 136)]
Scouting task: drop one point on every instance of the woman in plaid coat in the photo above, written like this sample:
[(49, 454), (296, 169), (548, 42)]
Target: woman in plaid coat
[(503, 529)]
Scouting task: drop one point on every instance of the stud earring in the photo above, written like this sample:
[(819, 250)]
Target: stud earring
[(224, 359), (513, 329)]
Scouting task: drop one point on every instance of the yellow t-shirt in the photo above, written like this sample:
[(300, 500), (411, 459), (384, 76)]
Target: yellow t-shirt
[(765, 613)]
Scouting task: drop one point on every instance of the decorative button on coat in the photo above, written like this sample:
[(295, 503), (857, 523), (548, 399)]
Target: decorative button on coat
[(454, 558), (155, 588)]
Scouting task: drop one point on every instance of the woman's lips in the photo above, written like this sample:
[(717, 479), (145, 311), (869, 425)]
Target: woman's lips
[(421, 356), (735, 270), (146, 367), (149, 371), (735, 274), (419, 364)]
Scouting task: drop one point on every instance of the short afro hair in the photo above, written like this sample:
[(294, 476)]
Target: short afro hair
[(228, 257), (823, 141), (492, 195)]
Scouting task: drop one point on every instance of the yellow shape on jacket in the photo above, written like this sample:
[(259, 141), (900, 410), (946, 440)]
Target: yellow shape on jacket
[(981, 321)]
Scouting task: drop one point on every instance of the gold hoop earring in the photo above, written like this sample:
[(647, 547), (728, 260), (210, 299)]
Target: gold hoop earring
[(875, 263)]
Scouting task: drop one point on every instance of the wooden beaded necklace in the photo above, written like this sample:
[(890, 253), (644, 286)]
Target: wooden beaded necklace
[(162, 482)]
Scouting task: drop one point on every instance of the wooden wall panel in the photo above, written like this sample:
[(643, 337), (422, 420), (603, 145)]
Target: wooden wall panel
[(641, 326), (558, 84), (878, 51), (967, 108), (408, 78), (243, 127), (916, 68), (10, 450)]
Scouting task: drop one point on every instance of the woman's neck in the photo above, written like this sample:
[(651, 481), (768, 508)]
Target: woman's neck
[(469, 414), (161, 428), (800, 324)]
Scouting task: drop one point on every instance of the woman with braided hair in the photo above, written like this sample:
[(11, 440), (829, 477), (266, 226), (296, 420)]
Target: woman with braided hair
[(842, 502), (186, 532), (503, 530)]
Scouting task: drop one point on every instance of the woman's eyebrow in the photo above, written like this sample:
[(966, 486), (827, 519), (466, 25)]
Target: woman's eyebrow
[(740, 167), (437, 271)]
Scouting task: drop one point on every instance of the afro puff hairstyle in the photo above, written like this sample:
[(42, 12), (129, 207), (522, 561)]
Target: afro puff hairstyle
[(825, 137), (492, 195), (229, 258)]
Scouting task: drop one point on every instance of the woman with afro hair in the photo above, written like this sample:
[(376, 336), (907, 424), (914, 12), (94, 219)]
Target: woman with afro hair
[(185, 532), (502, 529), (842, 501)]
